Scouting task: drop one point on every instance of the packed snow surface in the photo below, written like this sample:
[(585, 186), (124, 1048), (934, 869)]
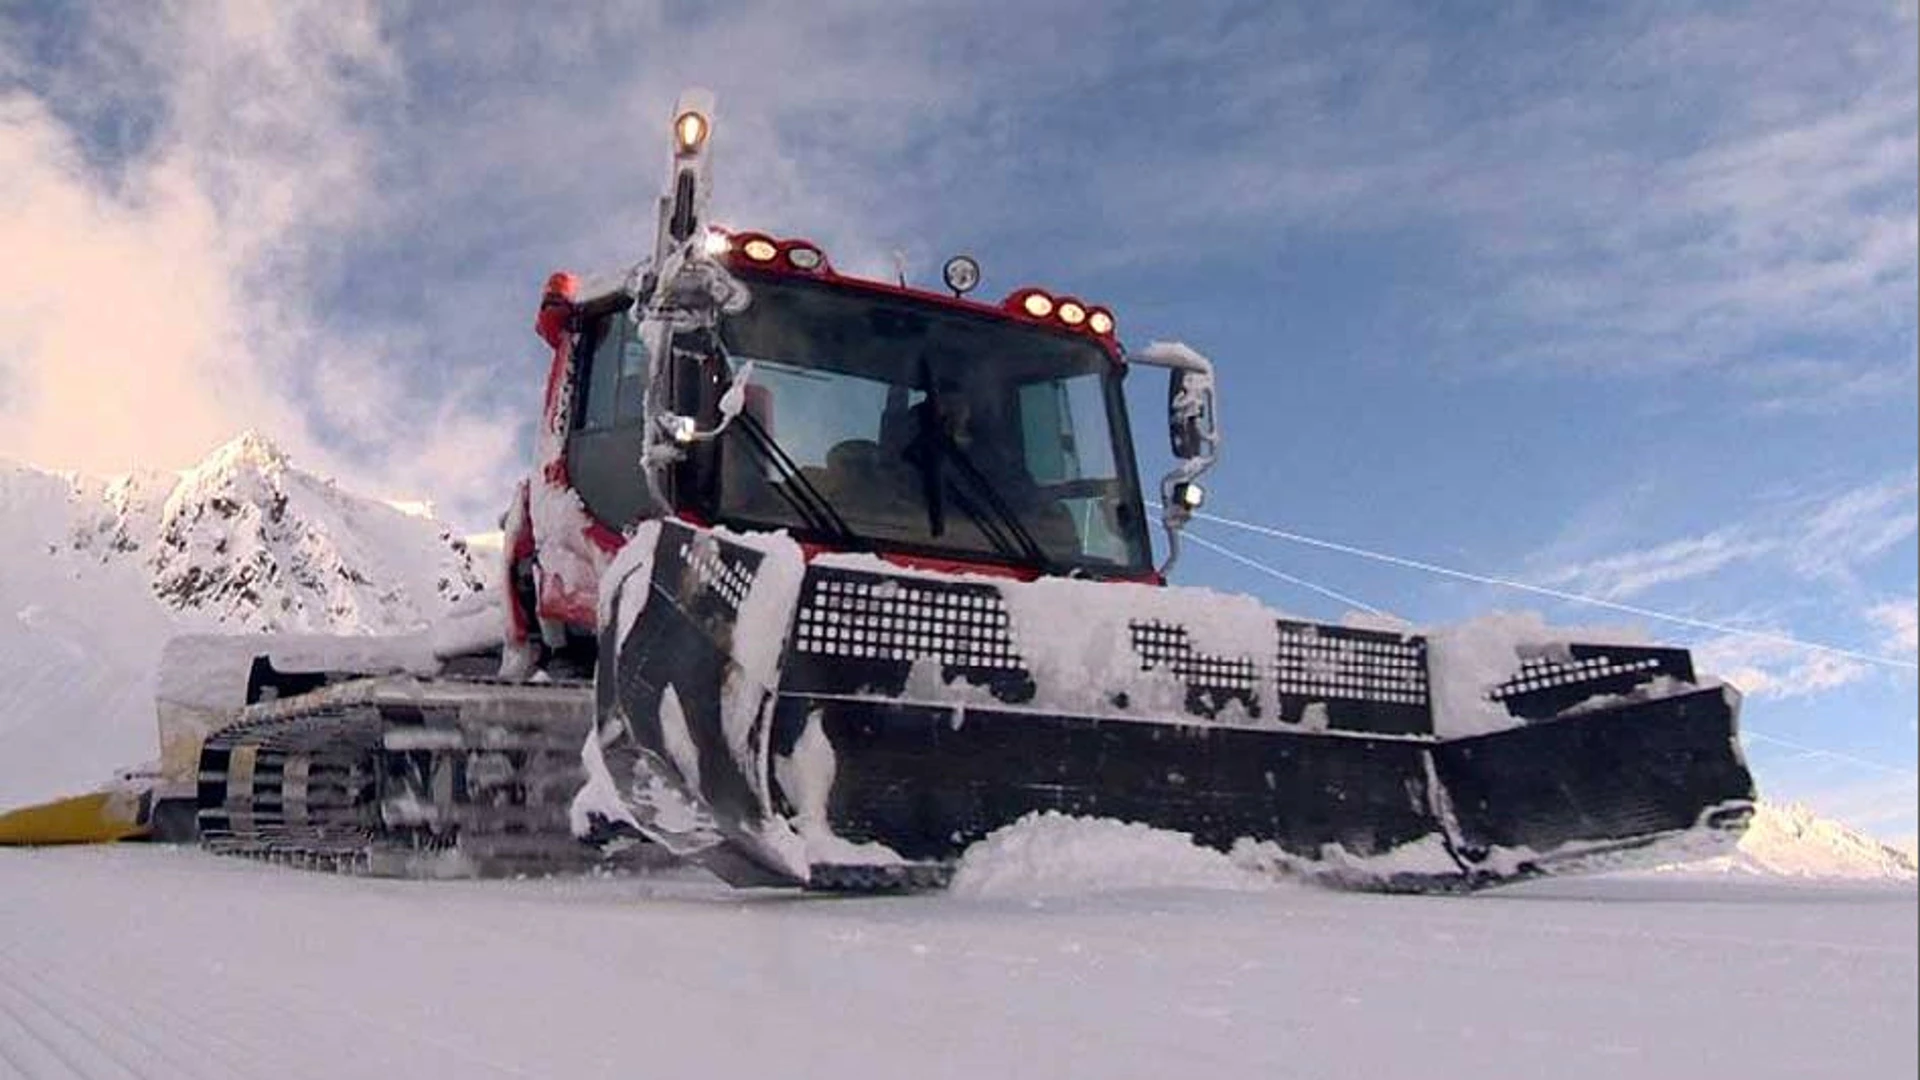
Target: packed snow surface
[(160, 962), (1051, 853)]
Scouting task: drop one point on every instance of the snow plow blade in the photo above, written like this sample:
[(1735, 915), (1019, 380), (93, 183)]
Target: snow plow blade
[(847, 724), (99, 817)]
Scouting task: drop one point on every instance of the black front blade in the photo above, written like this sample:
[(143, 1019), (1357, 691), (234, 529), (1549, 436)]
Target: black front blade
[(1628, 775)]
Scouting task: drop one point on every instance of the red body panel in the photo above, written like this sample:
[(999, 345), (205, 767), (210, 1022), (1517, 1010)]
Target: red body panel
[(569, 549)]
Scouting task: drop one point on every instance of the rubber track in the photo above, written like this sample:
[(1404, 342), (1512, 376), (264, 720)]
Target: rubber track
[(403, 777)]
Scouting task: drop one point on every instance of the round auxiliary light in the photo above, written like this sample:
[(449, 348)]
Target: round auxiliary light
[(1071, 313), (962, 274), (759, 249), (1038, 304), (804, 258), (717, 243), (689, 131), (1100, 321)]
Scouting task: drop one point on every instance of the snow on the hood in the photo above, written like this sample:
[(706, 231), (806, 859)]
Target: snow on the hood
[(1053, 854), (1076, 638)]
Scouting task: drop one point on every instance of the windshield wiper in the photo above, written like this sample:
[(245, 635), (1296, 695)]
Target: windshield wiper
[(795, 488), (933, 444), (1022, 544)]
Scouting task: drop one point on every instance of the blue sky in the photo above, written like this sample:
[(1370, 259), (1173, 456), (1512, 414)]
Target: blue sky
[(1617, 299)]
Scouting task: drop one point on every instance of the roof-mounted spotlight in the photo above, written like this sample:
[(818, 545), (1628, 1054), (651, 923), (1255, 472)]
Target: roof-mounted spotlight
[(690, 132), (1072, 313), (1100, 321), (805, 257), (759, 249), (961, 274), (1037, 304)]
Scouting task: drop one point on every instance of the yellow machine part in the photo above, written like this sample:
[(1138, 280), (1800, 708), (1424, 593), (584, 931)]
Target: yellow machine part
[(98, 817)]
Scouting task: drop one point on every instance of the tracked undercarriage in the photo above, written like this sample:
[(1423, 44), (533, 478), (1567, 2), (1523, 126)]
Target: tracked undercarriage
[(402, 776)]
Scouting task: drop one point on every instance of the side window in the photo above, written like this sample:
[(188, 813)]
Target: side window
[(1050, 415), (1046, 434), (630, 389), (614, 375)]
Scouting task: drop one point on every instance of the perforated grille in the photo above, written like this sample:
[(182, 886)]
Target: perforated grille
[(729, 579), (1164, 646), (888, 619), (1542, 674), (1323, 662)]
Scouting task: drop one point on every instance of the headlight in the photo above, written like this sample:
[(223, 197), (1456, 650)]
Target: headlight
[(689, 132)]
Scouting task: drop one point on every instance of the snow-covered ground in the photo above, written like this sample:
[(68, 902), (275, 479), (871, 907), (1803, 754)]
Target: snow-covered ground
[(156, 962)]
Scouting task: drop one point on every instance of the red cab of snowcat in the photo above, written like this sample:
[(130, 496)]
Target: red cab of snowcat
[(560, 539)]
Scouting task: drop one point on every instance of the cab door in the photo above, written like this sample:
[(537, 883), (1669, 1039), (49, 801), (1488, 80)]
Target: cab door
[(607, 431)]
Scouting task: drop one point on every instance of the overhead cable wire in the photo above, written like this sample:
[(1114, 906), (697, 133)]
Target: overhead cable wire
[(1824, 752), (1560, 594), (1747, 734), (1270, 571)]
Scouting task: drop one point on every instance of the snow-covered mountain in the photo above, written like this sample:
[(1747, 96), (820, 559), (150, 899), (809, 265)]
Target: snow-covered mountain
[(1790, 840), (99, 572), (246, 541)]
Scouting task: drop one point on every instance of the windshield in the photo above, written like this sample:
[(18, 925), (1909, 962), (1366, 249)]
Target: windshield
[(928, 430)]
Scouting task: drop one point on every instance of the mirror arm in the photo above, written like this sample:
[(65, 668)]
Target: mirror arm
[(1192, 408)]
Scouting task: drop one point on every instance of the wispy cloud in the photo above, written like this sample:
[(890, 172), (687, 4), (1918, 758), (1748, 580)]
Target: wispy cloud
[(1854, 527), (1660, 188), (1763, 667), (1627, 574), (1813, 538), (1900, 620)]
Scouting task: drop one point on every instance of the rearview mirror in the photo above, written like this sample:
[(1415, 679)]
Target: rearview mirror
[(1190, 413)]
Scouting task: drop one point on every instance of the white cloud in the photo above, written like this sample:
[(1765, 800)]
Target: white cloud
[(1855, 526), (1619, 576), (1766, 668), (1690, 190), (164, 300), (1829, 538), (1900, 620)]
